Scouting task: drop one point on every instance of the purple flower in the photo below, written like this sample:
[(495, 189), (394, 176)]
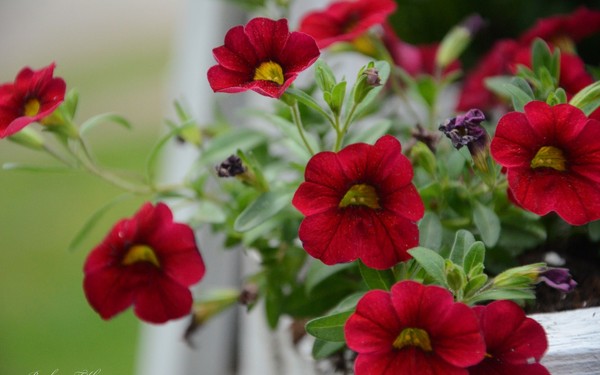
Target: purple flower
[(558, 278), (466, 130)]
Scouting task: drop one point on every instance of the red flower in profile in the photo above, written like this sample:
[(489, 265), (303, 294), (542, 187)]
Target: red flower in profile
[(514, 343), (345, 21), (34, 95), (576, 26), (413, 329), (360, 204), (147, 261), (552, 160), (263, 56)]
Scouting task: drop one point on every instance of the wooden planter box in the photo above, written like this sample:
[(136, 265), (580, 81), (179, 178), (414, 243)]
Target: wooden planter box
[(574, 341)]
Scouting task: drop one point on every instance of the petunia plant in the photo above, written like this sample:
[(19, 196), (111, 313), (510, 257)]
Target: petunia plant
[(389, 223)]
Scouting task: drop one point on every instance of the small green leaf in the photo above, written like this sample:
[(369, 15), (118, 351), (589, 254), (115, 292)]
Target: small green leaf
[(323, 349), (463, 240), (498, 294), (376, 279), (264, 207), (319, 272), (91, 222), (430, 231), (428, 90), (33, 168), (308, 101), (588, 99), (209, 212), (475, 255), (273, 305), (540, 56), (369, 134), (324, 76), (431, 262), (228, 143), (103, 118), (337, 97), (487, 223), (594, 230), (329, 328), (475, 284)]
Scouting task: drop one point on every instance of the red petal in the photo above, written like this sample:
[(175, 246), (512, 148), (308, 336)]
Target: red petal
[(268, 37), (233, 61), (223, 80), (110, 291), (374, 326), (510, 335), (312, 198), (300, 52), (237, 41), (515, 143), (325, 169), (164, 300), (354, 161), (405, 202)]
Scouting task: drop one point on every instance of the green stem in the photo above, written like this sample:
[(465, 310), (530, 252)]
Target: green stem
[(342, 131), (298, 121)]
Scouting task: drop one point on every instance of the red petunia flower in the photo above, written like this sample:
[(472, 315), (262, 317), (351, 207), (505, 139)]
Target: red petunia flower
[(559, 31), (552, 160), (263, 56), (345, 21), (576, 26), (147, 261), (413, 329), (514, 343), (360, 204), (35, 94)]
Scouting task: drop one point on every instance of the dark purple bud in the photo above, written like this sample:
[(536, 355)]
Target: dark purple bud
[(230, 167), (474, 23), (466, 130), (558, 278)]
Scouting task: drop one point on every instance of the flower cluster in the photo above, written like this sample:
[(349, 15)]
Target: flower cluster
[(366, 221)]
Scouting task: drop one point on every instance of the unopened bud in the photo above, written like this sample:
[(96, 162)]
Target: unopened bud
[(230, 167)]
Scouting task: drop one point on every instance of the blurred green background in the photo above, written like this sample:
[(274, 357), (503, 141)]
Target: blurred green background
[(117, 55)]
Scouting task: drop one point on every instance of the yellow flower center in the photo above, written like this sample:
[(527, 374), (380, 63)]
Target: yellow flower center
[(415, 337), (364, 44), (31, 107), (550, 157), (269, 71), (361, 195), (140, 253)]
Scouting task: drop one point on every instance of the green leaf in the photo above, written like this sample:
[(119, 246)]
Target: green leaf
[(91, 222), (512, 88), (511, 294), (474, 256), (209, 212), (329, 328), (103, 118), (337, 97), (463, 240), (430, 231), (428, 90), (319, 272), (475, 284), (376, 279), (264, 207), (431, 262), (308, 101), (323, 349), (588, 99), (155, 152), (227, 144), (33, 168), (290, 132), (487, 223), (594, 230), (541, 57), (273, 305), (324, 76), (369, 134)]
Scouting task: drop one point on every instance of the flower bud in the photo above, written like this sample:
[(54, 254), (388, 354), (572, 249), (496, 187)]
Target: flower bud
[(368, 79), (230, 167), (557, 278), (457, 39)]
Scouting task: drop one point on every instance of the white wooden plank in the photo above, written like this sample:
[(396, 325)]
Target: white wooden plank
[(573, 340)]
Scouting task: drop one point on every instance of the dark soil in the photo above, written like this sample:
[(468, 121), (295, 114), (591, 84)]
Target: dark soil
[(582, 258)]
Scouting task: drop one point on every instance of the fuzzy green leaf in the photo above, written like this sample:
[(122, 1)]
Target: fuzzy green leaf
[(264, 207), (330, 327)]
